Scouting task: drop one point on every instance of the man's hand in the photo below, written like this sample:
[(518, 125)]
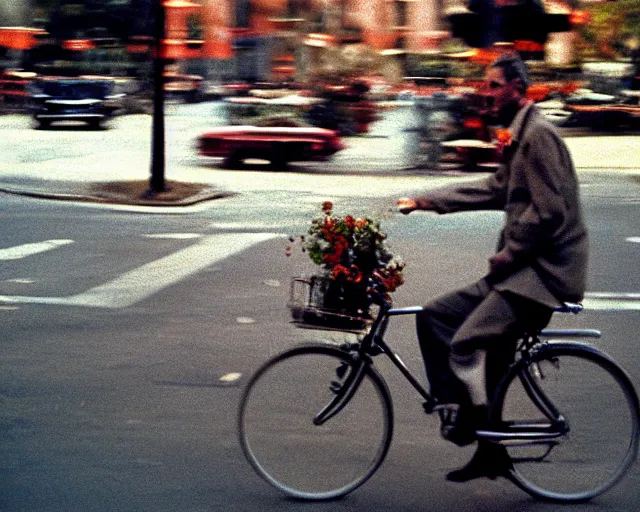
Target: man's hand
[(500, 262), (406, 205)]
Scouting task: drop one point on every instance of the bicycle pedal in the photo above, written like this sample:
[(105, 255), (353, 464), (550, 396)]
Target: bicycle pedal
[(429, 405)]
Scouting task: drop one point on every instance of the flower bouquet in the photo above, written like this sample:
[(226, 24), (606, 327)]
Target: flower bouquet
[(349, 251)]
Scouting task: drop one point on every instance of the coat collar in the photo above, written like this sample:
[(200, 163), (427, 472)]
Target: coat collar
[(519, 122), (516, 129)]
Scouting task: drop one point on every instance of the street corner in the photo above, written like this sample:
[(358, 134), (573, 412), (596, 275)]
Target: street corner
[(139, 192), (131, 193)]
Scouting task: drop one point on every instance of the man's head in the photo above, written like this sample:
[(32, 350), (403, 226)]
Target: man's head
[(506, 87)]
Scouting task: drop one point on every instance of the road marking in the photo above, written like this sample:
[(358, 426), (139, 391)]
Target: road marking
[(144, 281), (246, 225), (22, 251), (609, 301), (231, 377), (634, 239), (175, 236)]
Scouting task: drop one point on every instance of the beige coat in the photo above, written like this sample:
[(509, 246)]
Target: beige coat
[(543, 229)]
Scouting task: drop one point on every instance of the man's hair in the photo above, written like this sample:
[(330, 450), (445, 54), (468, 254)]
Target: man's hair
[(513, 68)]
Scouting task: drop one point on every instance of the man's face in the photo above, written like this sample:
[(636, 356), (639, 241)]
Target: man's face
[(502, 97)]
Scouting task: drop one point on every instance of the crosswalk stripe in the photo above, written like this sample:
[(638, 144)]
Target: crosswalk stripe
[(22, 251), (148, 279), (608, 301), (144, 281)]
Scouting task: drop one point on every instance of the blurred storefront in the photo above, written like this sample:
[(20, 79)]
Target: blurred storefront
[(281, 40)]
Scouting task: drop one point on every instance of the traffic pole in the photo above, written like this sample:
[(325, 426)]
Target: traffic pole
[(157, 181)]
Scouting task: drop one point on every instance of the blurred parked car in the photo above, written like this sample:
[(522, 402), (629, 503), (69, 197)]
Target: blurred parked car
[(15, 88), (605, 111), (237, 88), (189, 88), (277, 144), (91, 101)]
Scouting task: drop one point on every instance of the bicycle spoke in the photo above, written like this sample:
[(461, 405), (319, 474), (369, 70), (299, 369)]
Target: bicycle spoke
[(595, 421), (308, 434)]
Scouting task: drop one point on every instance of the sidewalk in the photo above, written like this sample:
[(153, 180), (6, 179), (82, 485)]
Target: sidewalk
[(103, 179), (605, 152)]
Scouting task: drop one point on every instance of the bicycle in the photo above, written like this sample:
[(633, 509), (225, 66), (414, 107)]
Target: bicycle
[(316, 421)]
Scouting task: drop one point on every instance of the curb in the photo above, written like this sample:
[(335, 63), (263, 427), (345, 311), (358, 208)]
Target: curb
[(209, 194)]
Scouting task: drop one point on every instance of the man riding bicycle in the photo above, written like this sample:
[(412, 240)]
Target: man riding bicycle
[(467, 337)]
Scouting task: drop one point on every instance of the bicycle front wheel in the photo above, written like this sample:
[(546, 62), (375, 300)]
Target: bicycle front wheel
[(585, 411), (279, 410)]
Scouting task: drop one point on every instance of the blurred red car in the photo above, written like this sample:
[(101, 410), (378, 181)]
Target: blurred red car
[(277, 144)]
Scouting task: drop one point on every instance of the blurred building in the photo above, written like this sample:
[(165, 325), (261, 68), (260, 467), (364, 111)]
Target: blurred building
[(294, 33), (281, 39)]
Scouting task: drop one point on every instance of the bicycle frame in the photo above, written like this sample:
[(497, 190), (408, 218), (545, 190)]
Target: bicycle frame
[(526, 433), (373, 344)]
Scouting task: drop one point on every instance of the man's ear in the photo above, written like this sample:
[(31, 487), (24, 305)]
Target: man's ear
[(519, 85)]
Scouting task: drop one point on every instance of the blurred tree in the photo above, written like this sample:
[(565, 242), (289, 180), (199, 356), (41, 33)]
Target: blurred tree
[(69, 19), (142, 12), (481, 23), (348, 62), (194, 26), (613, 31)]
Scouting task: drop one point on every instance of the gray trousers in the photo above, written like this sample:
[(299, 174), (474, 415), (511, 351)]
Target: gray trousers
[(468, 337)]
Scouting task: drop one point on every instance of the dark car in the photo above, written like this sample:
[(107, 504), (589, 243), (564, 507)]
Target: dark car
[(605, 111), (89, 101), (277, 144)]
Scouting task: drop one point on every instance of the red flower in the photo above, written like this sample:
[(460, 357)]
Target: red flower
[(340, 243), (350, 221), (504, 137), (338, 271), (327, 206), (355, 275), (331, 259)]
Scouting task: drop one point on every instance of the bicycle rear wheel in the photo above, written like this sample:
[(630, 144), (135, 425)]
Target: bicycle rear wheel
[(286, 448), (591, 405)]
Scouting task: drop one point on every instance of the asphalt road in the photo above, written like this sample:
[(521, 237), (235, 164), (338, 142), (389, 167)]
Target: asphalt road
[(127, 338), (112, 405)]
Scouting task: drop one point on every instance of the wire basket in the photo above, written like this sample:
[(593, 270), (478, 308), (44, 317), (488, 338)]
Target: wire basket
[(308, 301)]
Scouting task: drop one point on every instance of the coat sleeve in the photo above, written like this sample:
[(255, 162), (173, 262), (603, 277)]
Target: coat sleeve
[(546, 166), (485, 194)]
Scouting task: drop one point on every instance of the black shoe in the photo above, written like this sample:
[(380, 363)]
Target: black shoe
[(459, 424), (490, 461)]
